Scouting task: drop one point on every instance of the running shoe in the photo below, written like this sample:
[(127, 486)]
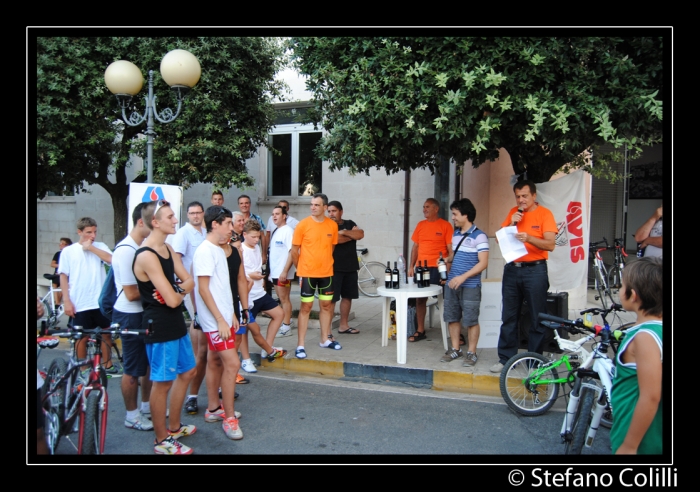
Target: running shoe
[(248, 366), (231, 428), (112, 372), (277, 354), (139, 423), (170, 445), (285, 331), (183, 431), (219, 414), (191, 406)]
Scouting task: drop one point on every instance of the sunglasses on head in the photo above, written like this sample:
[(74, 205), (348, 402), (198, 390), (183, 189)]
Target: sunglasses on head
[(159, 204)]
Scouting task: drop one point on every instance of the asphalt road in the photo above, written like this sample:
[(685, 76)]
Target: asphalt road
[(335, 421)]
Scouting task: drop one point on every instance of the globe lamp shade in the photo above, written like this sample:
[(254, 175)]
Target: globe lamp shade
[(123, 77), (180, 68)]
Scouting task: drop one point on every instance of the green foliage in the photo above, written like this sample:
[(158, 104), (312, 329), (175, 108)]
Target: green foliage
[(82, 140), (401, 103)]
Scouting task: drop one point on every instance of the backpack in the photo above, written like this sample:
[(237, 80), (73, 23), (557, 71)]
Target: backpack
[(108, 294)]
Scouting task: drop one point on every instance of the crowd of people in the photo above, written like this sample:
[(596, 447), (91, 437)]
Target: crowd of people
[(222, 265)]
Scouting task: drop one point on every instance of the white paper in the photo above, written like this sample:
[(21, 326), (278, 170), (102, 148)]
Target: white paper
[(511, 248)]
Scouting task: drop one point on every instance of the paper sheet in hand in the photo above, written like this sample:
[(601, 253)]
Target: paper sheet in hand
[(511, 248)]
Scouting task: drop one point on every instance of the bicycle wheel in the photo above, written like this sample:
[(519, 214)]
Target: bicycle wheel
[(92, 423), (581, 423), (520, 386), (54, 405), (615, 283), (369, 277)]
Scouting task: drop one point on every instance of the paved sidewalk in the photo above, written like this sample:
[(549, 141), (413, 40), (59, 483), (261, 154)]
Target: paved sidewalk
[(363, 358)]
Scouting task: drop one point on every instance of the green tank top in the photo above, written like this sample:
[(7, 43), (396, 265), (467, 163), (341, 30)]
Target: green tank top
[(625, 393)]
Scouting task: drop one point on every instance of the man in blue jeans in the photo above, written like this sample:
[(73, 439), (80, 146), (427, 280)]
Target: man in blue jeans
[(525, 278)]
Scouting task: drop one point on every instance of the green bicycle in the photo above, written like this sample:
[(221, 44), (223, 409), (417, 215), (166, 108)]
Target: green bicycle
[(530, 382)]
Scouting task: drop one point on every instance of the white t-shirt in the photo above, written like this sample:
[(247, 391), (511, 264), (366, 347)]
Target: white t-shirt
[(122, 262), (252, 262), (280, 245), (210, 261), (656, 231), (185, 241), (291, 222), (86, 275)]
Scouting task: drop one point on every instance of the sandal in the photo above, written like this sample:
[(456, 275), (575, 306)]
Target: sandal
[(350, 331), (462, 341), (333, 345), (417, 336)]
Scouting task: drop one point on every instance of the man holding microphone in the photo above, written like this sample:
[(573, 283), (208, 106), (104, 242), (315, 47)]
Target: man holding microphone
[(526, 278)]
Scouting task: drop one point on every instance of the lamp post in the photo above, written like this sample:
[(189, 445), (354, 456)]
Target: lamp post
[(181, 71)]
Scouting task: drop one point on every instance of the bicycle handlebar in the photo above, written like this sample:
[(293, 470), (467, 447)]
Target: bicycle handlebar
[(78, 331)]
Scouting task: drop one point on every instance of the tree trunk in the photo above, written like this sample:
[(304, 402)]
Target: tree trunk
[(119, 195)]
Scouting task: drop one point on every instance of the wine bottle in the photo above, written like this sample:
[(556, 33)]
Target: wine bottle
[(387, 275), (418, 275), (442, 267), (426, 274), (395, 277)]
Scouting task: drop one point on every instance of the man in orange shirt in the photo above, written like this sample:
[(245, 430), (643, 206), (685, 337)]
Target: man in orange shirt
[(431, 237), (526, 278), (314, 239)]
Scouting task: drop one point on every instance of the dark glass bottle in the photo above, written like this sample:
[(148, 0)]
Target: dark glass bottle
[(395, 277), (426, 274), (418, 275), (387, 275)]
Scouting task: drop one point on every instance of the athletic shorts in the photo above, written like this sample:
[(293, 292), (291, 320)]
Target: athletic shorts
[(168, 359), (276, 281), (133, 346), (462, 304), (264, 303), (345, 286), (217, 344), (309, 285), (91, 319)]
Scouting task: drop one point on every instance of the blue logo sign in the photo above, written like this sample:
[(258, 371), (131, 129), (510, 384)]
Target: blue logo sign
[(153, 193)]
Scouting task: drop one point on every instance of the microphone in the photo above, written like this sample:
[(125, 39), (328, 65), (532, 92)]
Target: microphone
[(520, 211)]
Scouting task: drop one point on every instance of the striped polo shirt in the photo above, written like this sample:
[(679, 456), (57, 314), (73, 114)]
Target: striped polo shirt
[(468, 255)]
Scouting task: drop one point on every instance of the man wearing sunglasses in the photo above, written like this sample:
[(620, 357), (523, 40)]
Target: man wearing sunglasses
[(168, 345)]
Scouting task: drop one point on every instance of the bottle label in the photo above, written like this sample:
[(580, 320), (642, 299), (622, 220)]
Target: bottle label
[(387, 278), (395, 278), (442, 267)]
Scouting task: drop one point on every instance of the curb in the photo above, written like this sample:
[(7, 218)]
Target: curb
[(418, 378)]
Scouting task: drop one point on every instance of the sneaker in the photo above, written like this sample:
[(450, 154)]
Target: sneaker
[(231, 429), (497, 367), (277, 354), (183, 431), (470, 359), (139, 423), (191, 406), (113, 372), (170, 445), (248, 366), (285, 331), (241, 380), (218, 414), (451, 355)]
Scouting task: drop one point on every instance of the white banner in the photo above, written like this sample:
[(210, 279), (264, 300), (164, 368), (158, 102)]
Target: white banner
[(566, 198)]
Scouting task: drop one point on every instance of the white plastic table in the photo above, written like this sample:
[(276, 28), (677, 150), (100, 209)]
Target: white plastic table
[(402, 295)]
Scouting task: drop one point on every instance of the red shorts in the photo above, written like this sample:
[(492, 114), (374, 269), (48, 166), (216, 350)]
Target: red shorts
[(217, 344)]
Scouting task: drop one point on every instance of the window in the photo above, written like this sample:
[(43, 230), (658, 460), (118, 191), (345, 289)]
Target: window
[(294, 170)]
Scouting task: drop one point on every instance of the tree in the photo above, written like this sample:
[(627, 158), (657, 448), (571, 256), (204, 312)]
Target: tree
[(403, 103), (82, 139)]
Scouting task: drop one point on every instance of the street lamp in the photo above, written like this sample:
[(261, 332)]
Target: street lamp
[(181, 71)]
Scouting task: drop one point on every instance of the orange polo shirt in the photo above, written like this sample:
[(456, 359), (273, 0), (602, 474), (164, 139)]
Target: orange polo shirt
[(535, 223), (316, 240)]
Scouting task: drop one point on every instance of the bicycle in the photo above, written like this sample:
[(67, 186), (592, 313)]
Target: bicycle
[(530, 382), (52, 312), (370, 275), (608, 282), (75, 399)]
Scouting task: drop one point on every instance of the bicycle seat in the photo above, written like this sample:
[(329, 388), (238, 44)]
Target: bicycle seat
[(51, 276), (362, 251)]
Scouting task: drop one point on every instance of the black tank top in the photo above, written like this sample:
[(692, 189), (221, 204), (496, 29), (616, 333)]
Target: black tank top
[(234, 264), (168, 323)]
